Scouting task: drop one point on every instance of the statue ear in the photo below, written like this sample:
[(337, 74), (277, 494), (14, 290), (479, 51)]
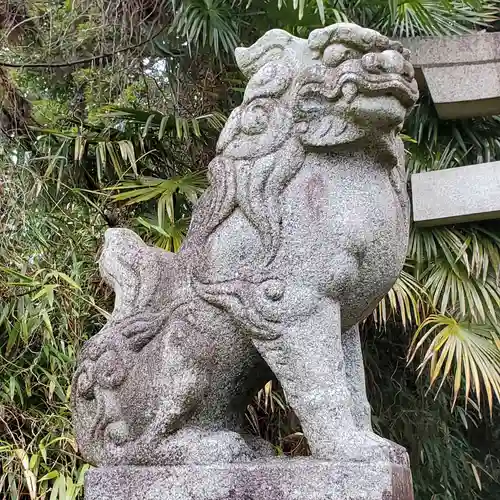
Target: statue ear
[(269, 47)]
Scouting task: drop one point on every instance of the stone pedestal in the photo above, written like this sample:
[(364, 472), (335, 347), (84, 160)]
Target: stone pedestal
[(275, 479)]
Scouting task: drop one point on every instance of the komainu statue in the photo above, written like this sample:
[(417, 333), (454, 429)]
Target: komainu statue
[(302, 231)]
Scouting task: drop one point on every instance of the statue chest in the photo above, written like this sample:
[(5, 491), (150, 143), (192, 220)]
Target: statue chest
[(344, 225), (342, 204)]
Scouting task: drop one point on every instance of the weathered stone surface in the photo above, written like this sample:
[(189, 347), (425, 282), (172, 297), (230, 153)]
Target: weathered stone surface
[(303, 229), (456, 195), (275, 479), (462, 73)]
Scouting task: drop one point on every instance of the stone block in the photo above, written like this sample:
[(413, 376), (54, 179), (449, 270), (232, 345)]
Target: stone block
[(277, 479), (456, 195), (462, 73)]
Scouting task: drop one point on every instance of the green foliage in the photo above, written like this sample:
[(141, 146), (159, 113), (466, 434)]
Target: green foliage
[(49, 305), (405, 301), (174, 196), (447, 463), (474, 348), (124, 138), (208, 23), (443, 443), (458, 267), (444, 144)]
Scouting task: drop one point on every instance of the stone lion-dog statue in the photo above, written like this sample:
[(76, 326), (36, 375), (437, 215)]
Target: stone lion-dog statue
[(301, 232)]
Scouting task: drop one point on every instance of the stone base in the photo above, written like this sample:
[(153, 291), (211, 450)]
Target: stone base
[(273, 479)]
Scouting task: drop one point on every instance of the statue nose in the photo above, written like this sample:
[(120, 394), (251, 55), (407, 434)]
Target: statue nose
[(388, 61)]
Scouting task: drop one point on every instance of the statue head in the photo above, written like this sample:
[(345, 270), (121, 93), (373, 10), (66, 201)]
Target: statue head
[(344, 85)]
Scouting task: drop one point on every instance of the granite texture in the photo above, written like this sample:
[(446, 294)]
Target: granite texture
[(456, 195), (275, 479), (303, 229)]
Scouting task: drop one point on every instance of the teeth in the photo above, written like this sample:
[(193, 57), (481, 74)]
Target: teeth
[(349, 91)]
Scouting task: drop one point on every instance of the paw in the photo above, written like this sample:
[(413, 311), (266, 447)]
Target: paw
[(201, 447), (361, 447)]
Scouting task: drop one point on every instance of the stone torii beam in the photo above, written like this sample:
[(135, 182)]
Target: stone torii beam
[(456, 195), (462, 73)]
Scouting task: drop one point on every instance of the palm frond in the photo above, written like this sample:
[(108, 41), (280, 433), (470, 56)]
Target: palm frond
[(143, 189), (450, 143), (459, 269), (166, 125), (425, 159), (126, 141), (163, 233), (174, 198), (466, 297), (468, 350), (320, 6), (207, 23), (475, 248), (435, 17), (404, 301)]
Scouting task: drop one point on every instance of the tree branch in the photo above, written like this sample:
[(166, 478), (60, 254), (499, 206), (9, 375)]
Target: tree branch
[(84, 60)]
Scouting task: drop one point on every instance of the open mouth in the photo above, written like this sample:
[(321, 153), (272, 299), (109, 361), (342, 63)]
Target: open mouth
[(392, 85)]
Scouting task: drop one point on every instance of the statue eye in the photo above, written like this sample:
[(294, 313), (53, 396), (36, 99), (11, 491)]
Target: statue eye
[(338, 53), (311, 104), (254, 120)]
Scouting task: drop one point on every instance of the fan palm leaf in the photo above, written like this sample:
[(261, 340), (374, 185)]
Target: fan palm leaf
[(436, 17), (450, 143), (471, 351), (126, 141), (173, 197), (405, 302), (476, 249), (207, 23), (458, 267)]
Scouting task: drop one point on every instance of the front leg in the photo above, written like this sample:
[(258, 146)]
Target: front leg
[(308, 360), (298, 334), (355, 373), (361, 410)]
